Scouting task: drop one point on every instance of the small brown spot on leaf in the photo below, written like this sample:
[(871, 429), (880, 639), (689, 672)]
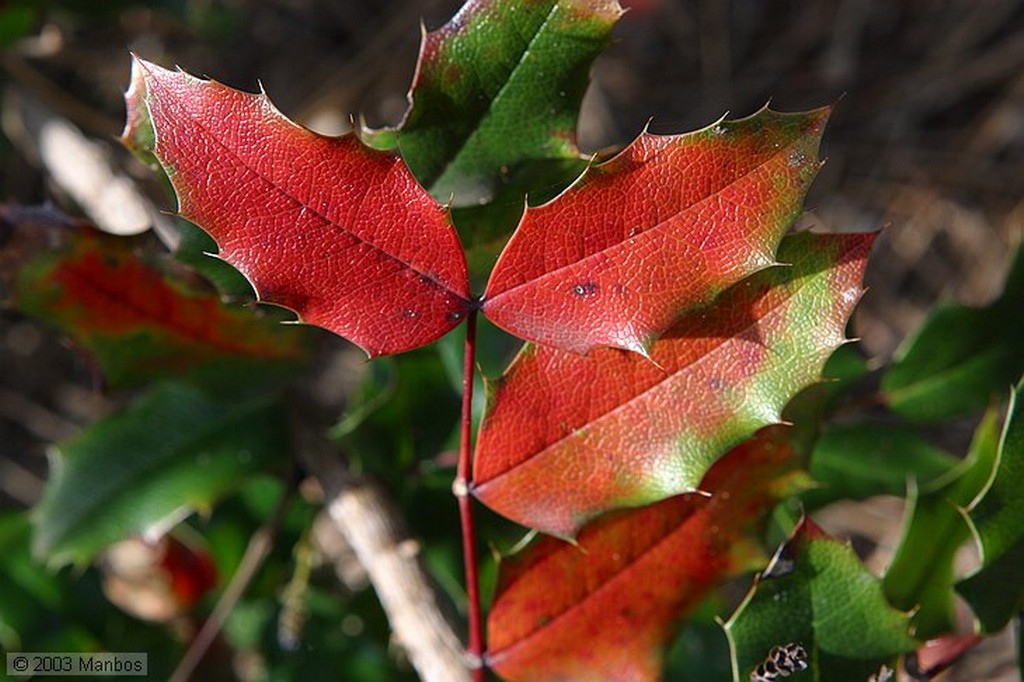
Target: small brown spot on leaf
[(585, 289)]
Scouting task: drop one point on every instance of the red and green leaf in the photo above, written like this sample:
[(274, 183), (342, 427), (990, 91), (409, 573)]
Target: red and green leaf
[(340, 233), (606, 607), (816, 595), (659, 229), (568, 437), (499, 85), (138, 320)]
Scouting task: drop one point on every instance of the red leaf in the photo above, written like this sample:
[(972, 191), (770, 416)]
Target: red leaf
[(568, 437), (604, 609), (338, 232), (138, 320), (661, 228)]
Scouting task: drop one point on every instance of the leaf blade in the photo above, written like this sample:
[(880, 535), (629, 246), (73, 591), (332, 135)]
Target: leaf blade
[(961, 357), (177, 449), (921, 573), (498, 85), (867, 458), (816, 594), (713, 204), (138, 318), (338, 232), (993, 591)]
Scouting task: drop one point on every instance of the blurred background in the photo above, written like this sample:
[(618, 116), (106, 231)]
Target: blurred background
[(926, 140)]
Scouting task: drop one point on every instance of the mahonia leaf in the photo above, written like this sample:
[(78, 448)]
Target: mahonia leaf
[(662, 227), (996, 592), (498, 85), (340, 233), (138, 320), (961, 357), (568, 437), (179, 448), (817, 604), (634, 574), (921, 573)]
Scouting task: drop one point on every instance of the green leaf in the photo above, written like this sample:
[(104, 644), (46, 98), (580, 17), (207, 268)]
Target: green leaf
[(26, 593), (961, 357), (856, 461), (996, 592), (17, 20), (498, 85), (815, 594), (921, 573), (177, 449)]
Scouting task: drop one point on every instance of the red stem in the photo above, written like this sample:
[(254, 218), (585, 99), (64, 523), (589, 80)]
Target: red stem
[(463, 480)]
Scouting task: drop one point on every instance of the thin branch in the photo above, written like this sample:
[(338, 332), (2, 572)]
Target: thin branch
[(259, 547)]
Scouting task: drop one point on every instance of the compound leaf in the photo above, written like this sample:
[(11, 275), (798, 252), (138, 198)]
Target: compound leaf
[(340, 233), (660, 228), (568, 437)]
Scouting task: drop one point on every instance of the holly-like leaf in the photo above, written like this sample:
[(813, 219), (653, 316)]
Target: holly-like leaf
[(661, 228), (605, 608), (961, 357), (996, 592), (568, 437), (340, 233), (138, 320), (816, 595), (921, 574), (177, 449), (498, 85)]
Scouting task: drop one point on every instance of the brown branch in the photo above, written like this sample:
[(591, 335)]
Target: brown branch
[(373, 527)]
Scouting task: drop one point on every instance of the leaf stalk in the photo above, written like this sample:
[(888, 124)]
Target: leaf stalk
[(461, 487)]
